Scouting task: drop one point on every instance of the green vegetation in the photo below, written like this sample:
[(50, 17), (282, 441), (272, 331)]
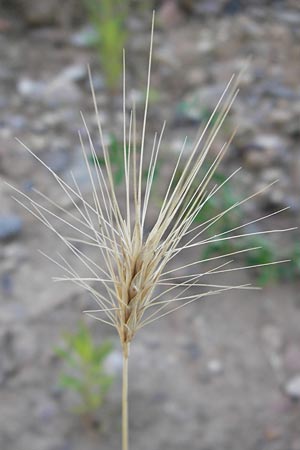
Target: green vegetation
[(264, 254), (116, 158), (108, 18), (85, 373)]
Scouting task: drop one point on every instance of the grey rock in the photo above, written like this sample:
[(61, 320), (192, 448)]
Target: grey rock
[(80, 172), (61, 91), (264, 151), (85, 37), (17, 122), (207, 7), (46, 410), (45, 12), (58, 160), (292, 358), (7, 364), (76, 72), (32, 89), (215, 366), (113, 363), (193, 351), (6, 283), (276, 89), (281, 117), (292, 388), (98, 82), (169, 14), (10, 226)]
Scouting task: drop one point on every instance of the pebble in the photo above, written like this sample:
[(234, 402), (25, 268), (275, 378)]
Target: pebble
[(7, 364), (6, 284), (169, 14), (281, 117), (215, 366), (113, 363), (85, 37), (232, 7), (58, 160), (10, 226), (44, 12), (17, 122), (273, 336), (292, 358), (292, 388), (264, 151), (46, 410), (276, 89), (98, 82), (207, 7), (75, 72), (28, 88), (272, 433), (296, 444), (193, 351), (60, 90)]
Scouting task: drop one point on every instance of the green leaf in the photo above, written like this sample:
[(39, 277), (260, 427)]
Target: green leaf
[(66, 355), (70, 382), (102, 351)]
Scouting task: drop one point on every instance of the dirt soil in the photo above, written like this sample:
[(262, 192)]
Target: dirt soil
[(213, 376)]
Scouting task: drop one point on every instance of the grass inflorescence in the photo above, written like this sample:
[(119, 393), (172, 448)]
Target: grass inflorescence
[(135, 266)]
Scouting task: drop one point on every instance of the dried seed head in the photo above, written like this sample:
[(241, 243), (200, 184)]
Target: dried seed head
[(130, 265)]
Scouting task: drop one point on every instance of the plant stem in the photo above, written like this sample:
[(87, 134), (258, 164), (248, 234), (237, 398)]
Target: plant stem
[(125, 400)]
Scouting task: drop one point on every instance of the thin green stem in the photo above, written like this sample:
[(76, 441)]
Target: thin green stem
[(125, 399)]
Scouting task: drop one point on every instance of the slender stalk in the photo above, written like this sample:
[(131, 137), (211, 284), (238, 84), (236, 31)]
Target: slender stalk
[(125, 400)]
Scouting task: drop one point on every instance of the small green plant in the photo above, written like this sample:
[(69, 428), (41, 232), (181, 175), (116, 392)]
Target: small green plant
[(108, 18), (116, 159), (85, 373), (263, 252), (292, 270)]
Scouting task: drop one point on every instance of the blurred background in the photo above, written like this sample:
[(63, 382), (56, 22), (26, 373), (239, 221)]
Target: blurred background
[(221, 374)]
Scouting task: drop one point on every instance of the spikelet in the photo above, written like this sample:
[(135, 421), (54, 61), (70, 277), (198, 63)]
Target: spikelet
[(132, 264)]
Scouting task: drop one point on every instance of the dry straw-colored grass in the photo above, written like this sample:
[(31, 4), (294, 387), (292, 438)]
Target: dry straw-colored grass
[(131, 263)]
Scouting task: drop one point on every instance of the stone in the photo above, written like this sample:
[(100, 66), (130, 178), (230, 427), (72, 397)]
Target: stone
[(17, 122), (29, 88), (45, 12), (215, 366), (60, 91), (84, 37), (265, 150), (273, 337), (193, 350), (57, 160), (292, 388), (7, 364), (272, 433), (10, 226), (281, 117), (205, 7), (169, 14), (292, 358), (6, 283), (198, 104), (75, 72), (276, 89), (113, 363)]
